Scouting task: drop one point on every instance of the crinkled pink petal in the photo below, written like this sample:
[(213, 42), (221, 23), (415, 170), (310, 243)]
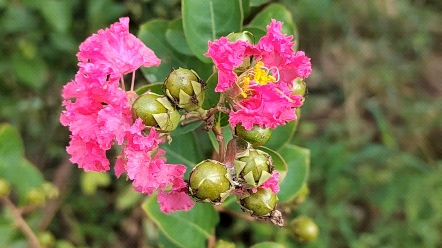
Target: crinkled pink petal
[(113, 122), (88, 155), (117, 48), (272, 183), (267, 108), (174, 201), (226, 56), (119, 167)]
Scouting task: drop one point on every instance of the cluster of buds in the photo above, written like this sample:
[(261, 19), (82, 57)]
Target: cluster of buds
[(183, 88), (251, 178)]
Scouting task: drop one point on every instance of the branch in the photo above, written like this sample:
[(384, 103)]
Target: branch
[(21, 223)]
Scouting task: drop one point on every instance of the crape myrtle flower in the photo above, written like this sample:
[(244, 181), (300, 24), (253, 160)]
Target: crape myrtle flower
[(263, 94), (98, 114)]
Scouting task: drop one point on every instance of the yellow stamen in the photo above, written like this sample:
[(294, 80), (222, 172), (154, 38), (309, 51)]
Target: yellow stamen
[(245, 87), (259, 74)]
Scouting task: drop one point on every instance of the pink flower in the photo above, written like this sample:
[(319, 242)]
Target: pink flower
[(174, 200), (98, 115), (262, 94), (117, 48), (226, 56)]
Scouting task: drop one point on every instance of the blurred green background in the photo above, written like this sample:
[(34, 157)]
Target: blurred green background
[(372, 120)]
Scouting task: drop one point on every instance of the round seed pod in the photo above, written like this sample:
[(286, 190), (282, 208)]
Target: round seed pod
[(261, 203), (304, 229), (209, 181), (156, 111), (185, 89), (254, 167), (257, 136)]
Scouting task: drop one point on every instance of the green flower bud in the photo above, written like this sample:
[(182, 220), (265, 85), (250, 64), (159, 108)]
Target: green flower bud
[(5, 187), (156, 111), (304, 229), (210, 182), (257, 136), (254, 167), (50, 190), (245, 36), (185, 88), (300, 88), (261, 203), (35, 197), (46, 239), (224, 244)]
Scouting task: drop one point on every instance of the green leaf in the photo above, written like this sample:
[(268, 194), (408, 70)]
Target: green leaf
[(279, 13), (175, 37), (184, 229), (267, 245), (256, 3), (281, 136), (184, 150), (14, 167), (180, 130), (298, 162), (153, 34), (212, 97), (278, 162), (155, 88), (31, 72), (57, 14), (209, 20)]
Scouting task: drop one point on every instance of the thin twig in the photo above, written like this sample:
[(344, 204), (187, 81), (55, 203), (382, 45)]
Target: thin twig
[(21, 223)]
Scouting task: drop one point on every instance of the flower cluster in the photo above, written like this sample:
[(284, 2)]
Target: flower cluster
[(98, 114), (264, 93)]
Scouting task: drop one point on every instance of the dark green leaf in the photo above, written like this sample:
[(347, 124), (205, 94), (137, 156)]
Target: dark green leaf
[(256, 3), (209, 20), (184, 229), (13, 165), (281, 135), (30, 71), (279, 13), (58, 14), (278, 161), (184, 150), (180, 130), (153, 35), (175, 37), (155, 88), (298, 163), (212, 97)]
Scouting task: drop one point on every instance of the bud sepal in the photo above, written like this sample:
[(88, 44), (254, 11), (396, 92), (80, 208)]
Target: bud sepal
[(210, 182)]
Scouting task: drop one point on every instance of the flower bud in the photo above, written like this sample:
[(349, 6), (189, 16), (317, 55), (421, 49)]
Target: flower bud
[(50, 190), (304, 229), (261, 203), (5, 187), (156, 111), (300, 88), (185, 88), (35, 197), (210, 182), (254, 167), (257, 136)]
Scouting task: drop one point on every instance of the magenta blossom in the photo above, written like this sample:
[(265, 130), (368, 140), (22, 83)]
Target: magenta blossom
[(98, 115), (263, 93)]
